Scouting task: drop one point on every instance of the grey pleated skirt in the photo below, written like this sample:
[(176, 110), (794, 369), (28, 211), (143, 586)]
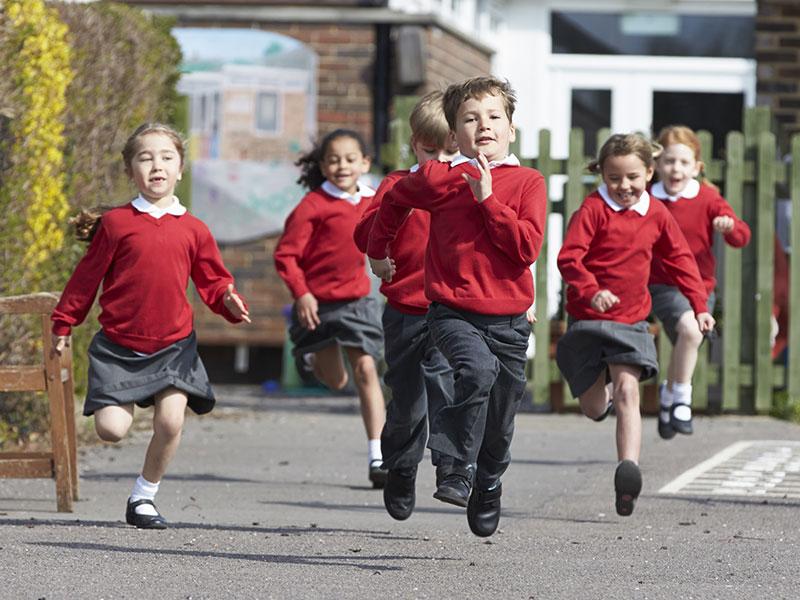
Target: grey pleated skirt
[(353, 323), (588, 347), (118, 375)]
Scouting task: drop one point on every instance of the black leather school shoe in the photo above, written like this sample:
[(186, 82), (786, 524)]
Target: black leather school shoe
[(455, 486), (680, 425), (144, 521), (377, 474), (483, 511), (399, 495), (627, 485)]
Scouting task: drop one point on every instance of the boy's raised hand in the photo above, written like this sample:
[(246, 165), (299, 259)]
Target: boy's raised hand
[(235, 306), (603, 300), (723, 224), (482, 187), (706, 322), (59, 343), (307, 311), (383, 268)]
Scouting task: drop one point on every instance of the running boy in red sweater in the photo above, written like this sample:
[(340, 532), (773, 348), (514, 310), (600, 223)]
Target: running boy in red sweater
[(419, 376), (487, 226)]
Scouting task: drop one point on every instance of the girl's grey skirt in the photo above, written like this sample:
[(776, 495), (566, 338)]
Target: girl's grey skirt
[(118, 375), (588, 347), (353, 323)]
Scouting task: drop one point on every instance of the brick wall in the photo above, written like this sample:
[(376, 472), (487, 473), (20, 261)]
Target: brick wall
[(778, 57), (451, 60)]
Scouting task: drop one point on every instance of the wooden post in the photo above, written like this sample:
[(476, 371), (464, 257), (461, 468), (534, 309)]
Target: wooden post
[(541, 329), (793, 365), (732, 285), (765, 260)]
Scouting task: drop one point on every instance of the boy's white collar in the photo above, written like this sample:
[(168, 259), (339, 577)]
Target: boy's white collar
[(145, 206), (690, 191), (364, 191), (640, 207), (510, 161)]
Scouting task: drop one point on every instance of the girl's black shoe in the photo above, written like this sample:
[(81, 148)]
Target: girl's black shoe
[(680, 425), (144, 521)]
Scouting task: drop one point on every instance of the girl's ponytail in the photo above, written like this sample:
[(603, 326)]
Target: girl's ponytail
[(87, 222)]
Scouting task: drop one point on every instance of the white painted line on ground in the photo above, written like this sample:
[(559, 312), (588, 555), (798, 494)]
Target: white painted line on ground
[(687, 477)]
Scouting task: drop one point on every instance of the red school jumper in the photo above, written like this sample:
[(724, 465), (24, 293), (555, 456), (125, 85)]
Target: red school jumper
[(406, 291), (479, 254), (316, 252), (694, 214), (612, 250), (144, 265)]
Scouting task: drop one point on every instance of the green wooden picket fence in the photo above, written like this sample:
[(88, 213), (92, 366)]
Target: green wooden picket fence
[(745, 377)]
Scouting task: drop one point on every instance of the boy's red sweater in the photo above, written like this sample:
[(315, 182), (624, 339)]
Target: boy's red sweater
[(144, 265), (316, 252), (694, 217), (608, 250), (479, 254), (406, 290)]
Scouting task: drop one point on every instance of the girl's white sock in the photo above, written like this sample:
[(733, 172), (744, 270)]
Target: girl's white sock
[(144, 490), (374, 451), (682, 394)]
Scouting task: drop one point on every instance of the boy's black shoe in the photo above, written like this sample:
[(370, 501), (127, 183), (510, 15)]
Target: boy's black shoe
[(483, 511), (680, 425), (144, 521), (399, 494), (377, 474), (443, 470), (627, 484), (455, 486)]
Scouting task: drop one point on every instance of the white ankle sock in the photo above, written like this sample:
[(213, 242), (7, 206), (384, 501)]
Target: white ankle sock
[(682, 394), (374, 451), (144, 490)]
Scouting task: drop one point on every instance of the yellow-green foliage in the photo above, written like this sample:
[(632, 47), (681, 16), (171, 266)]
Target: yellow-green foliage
[(41, 73)]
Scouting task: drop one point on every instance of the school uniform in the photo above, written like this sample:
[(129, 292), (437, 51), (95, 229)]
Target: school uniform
[(610, 247), (317, 254), (144, 257), (694, 209), (418, 375), (478, 278)]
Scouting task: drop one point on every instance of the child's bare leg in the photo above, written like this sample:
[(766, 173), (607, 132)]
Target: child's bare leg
[(113, 422), (625, 379), (329, 367), (594, 401), (684, 355), (170, 408), (373, 409)]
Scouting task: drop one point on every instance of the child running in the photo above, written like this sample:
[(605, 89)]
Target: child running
[(326, 274), (419, 376), (143, 254), (487, 226), (700, 211), (605, 261)]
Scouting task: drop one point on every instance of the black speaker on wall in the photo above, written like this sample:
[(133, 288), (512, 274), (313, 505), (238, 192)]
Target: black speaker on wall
[(410, 56)]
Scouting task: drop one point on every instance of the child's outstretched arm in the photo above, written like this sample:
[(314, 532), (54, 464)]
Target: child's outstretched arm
[(214, 283), (735, 231), (580, 232)]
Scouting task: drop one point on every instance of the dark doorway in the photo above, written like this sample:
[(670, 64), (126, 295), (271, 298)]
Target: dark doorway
[(591, 111), (717, 113)]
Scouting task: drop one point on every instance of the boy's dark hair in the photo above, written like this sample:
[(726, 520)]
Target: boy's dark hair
[(310, 171), (87, 221), (477, 87)]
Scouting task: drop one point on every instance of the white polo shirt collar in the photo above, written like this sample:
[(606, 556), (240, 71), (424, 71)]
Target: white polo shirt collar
[(690, 191), (176, 208), (364, 191), (640, 207), (511, 161)]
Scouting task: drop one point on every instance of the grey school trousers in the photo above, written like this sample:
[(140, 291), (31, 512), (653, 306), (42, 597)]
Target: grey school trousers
[(487, 354), (421, 381)]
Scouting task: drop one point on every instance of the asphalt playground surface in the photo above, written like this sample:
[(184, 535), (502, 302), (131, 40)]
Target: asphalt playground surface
[(268, 498)]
